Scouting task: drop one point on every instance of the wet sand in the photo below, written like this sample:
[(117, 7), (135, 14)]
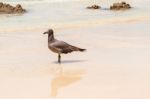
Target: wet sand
[(115, 65)]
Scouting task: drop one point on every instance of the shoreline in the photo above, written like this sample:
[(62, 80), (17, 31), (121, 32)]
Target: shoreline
[(91, 23)]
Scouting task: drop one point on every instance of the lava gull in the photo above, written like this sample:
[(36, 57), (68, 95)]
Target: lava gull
[(60, 47)]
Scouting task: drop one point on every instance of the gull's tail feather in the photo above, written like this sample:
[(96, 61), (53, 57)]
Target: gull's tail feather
[(82, 50), (78, 49)]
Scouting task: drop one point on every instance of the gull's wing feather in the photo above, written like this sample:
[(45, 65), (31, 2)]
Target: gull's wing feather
[(65, 47)]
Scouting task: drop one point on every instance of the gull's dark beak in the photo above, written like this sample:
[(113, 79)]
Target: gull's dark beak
[(45, 33)]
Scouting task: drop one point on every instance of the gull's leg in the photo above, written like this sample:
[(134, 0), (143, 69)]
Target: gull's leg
[(59, 58)]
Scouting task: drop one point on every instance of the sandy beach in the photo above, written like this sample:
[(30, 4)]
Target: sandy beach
[(115, 65)]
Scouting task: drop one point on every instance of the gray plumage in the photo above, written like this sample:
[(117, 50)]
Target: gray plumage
[(60, 47)]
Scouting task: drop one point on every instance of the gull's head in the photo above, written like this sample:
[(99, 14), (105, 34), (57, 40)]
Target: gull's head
[(49, 32)]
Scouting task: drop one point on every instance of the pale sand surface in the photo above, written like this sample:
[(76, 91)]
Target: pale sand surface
[(115, 65)]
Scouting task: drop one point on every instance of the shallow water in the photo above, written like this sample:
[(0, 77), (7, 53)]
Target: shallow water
[(115, 65), (45, 14)]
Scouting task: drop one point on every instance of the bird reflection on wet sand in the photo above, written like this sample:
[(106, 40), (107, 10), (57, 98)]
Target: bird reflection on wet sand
[(65, 78)]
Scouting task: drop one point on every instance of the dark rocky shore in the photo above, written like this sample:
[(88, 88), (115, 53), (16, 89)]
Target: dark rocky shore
[(9, 9), (120, 6), (93, 7), (115, 6)]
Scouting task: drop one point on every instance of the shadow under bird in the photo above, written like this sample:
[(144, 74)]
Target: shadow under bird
[(60, 47)]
